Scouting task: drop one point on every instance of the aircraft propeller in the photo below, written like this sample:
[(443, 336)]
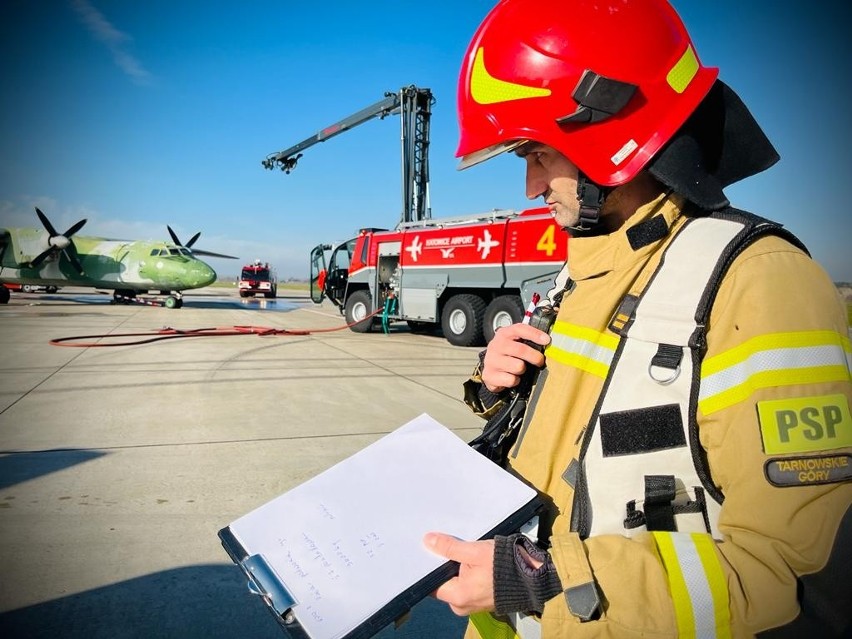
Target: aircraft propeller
[(58, 242), (192, 241)]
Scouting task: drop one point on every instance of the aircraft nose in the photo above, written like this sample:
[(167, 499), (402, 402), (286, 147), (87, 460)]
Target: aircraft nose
[(203, 275)]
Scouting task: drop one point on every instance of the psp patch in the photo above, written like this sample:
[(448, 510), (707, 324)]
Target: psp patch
[(809, 471), (805, 424)]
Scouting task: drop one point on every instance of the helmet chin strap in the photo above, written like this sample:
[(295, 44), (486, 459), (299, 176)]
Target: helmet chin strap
[(591, 197)]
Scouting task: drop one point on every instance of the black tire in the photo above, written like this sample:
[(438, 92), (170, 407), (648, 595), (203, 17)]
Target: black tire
[(421, 328), (462, 318), (502, 311), (358, 306), (5, 294), (51, 289)]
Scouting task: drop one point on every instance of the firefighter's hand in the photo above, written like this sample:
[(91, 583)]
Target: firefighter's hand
[(473, 589), (507, 356)]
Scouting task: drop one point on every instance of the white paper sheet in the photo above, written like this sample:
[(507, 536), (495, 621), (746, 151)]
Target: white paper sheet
[(347, 541)]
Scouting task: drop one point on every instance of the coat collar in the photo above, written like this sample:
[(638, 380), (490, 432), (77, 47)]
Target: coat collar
[(638, 237)]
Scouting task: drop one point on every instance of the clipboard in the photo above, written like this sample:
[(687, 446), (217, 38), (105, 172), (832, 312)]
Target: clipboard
[(288, 573)]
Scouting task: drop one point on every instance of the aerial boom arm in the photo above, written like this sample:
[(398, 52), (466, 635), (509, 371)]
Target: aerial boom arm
[(286, 159), (414, 106)]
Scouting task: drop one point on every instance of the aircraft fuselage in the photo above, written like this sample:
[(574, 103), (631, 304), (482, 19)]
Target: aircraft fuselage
[(111, 264)]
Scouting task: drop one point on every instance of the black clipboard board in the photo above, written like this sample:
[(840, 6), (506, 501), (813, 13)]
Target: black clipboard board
[(278, 597)]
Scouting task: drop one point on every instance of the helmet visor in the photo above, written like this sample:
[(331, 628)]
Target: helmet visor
[(487, 153)]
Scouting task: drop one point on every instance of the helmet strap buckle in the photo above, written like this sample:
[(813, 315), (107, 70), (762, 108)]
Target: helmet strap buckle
[(591, 197)]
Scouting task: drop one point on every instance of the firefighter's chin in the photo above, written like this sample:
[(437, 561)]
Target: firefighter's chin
[(564, 216)]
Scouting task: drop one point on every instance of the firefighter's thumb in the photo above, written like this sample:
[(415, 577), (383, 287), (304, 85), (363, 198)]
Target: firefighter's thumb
[(450, 547)]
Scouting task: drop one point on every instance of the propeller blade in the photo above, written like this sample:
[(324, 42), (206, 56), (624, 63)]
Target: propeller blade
[(41, 257), (62, 242), (192, 241), (211, 254), (174, 237), (75, 228), (74, 261), (47, 225)]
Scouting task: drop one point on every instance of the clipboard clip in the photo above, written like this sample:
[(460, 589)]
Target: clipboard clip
[(264, 582)]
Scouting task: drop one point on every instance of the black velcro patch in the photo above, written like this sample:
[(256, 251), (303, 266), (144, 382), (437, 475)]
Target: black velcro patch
[(646, 232), (642, 430)]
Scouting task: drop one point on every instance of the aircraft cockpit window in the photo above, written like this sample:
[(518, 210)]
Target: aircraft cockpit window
[(174, 251), (155, 252), (185, 251)]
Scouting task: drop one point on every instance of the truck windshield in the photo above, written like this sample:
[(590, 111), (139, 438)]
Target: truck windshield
[(260, 274)]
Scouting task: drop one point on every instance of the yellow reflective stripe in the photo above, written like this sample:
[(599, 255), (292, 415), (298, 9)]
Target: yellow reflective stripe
[(677, 586), (681, 74), (486, 89), (779, 359), (697, 584), (770, 342), (706, 548), (582, 348), (489, 628)]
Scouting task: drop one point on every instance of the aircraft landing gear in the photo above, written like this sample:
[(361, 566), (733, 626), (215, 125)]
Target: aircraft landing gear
[(123, 296)]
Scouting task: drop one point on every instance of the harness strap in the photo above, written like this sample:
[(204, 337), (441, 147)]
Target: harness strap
[(660, 492)]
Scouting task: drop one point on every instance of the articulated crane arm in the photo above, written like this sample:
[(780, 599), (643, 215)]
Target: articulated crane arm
[(414, 106)]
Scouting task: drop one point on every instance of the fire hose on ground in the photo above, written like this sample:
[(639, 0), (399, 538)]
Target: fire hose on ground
[(167, 333)]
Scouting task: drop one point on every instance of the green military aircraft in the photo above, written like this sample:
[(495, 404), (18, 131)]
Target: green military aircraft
[(45, 257)]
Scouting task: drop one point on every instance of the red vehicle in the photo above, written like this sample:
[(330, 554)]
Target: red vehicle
[(258, 278), (467, 275), (31, 288)]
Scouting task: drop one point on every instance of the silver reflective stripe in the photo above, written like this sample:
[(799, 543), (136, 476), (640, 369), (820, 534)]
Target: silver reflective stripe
[(527, 627)]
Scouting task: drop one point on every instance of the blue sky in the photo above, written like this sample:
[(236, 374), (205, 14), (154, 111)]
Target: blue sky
[(136, 115)]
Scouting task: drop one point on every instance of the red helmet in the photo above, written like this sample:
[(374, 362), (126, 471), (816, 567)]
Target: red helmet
[(605, 82)]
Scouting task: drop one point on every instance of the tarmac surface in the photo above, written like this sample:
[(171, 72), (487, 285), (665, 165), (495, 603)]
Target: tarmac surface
[(120, 463)]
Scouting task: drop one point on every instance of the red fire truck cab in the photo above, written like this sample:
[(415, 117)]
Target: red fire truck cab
[(258, 278)]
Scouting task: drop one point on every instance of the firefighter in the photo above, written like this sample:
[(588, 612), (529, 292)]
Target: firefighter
[(692, 488)]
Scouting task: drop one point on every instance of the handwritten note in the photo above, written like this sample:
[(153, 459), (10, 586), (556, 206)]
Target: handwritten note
[(347, 541)]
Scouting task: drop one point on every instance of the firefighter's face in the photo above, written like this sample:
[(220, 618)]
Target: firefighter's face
[(553, 177)]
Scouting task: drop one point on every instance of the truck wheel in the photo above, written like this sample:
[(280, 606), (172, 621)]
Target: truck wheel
[(461, 320), (358, 306), (4, 295), (502, 311)]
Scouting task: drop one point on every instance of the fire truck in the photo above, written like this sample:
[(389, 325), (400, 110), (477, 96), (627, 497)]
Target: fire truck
[(258, 278), (465, 275)]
